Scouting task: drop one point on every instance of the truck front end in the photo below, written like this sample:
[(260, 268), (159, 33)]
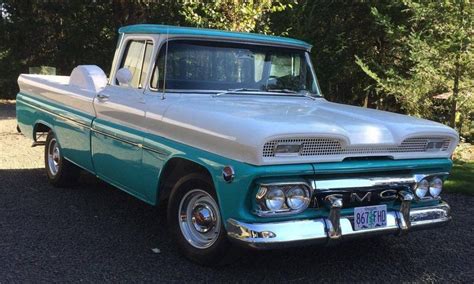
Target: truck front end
[(329, 202)]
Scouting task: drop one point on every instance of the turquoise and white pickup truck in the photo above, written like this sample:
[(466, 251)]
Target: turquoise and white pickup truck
[(232, 132)]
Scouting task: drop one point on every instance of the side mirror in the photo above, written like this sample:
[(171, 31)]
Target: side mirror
[(124, 76)]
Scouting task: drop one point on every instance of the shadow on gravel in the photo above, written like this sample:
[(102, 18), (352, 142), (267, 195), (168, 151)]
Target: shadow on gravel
[(7, 110), (93, 232)]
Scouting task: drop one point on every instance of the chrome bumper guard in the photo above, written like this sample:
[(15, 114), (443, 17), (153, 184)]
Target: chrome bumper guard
[(334, 228)]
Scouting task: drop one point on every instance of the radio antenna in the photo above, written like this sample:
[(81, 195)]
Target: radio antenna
[(166, 61)]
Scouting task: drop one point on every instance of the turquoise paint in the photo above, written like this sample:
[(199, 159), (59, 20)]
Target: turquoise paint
[(119, 162), (70, 126), (187, 31), (119, 131), (237, 198), (272, 173), (234, 198), (382, 165)]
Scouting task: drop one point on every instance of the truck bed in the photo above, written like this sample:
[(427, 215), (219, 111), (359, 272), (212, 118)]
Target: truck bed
[(50, 102)]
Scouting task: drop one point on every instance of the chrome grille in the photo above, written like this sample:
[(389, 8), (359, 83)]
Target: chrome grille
[(329, 146)]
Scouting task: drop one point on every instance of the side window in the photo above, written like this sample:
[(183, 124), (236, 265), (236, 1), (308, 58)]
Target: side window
[(284, 65), (146, 63), (136, 58)]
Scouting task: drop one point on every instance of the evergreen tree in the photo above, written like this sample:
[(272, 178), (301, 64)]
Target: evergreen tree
[(432, 52)]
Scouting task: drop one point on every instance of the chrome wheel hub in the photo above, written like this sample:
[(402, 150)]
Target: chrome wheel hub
[(54, 156), (203, 218), (199, 218)]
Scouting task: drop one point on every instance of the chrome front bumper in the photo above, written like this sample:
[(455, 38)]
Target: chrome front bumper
[(325, 231)]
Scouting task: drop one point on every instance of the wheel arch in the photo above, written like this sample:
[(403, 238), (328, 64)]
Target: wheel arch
[(41, 126), (175, 168)]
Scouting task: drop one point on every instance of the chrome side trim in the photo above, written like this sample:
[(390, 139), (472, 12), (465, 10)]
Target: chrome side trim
[(154, 150), (115, 137), (317, 231), (63, 117), (139, 145)]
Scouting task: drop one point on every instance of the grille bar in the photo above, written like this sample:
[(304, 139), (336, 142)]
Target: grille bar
[(329, 146)]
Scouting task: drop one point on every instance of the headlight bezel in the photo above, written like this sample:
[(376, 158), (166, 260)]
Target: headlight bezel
[(262, 209), (422, 188), (278, 197), (434, 187), (296, 194), (428, 181)]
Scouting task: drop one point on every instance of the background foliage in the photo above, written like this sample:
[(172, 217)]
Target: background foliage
[(404, 56)]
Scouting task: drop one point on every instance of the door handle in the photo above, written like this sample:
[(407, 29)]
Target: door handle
[(102, 97)]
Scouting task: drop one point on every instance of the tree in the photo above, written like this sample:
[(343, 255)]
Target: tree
[(339, 31), (432, 55), (233, 15), (35, 33)]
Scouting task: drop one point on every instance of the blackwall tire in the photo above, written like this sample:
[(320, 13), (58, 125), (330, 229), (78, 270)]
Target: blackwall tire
[(196, 224), (60, 171)]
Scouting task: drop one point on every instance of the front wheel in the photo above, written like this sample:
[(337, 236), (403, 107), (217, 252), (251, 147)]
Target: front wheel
[(60, 171), (195, 221)]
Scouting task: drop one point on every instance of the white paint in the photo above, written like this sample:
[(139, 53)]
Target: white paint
[(88, 77), (57, 90), (237, 126)]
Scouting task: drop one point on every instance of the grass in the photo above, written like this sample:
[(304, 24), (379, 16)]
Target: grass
[(461, 179)]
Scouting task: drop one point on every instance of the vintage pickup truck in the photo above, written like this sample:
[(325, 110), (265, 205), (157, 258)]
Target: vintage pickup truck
[(232, 132)]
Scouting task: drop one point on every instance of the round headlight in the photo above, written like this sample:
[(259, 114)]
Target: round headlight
[(296, 198), (436, 187), (275, 199), (422, 188)]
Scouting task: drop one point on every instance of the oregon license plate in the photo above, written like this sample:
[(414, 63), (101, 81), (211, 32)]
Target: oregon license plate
[(369, 217)]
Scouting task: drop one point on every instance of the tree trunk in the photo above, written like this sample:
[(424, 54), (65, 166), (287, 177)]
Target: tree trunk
[(457, 74), (452, 121)]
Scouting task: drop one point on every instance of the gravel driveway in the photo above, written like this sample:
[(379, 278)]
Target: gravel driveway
[(93, 232)]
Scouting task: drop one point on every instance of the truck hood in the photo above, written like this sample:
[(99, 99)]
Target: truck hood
[(238, 127)]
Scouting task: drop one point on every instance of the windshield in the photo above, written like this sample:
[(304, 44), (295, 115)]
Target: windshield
[(217, 66)]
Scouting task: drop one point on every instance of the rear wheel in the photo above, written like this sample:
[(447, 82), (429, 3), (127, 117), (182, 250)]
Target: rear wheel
[(60, 171), (195, 221)]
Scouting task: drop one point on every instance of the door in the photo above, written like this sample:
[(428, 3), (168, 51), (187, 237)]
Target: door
[(118, 130)]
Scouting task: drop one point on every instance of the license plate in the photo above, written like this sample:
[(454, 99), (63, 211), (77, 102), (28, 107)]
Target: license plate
[(369, 217)]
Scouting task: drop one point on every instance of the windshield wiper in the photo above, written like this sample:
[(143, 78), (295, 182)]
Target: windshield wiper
[(310, 95), (281, 91), (284, 91), (239, 90), (302, 93)]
